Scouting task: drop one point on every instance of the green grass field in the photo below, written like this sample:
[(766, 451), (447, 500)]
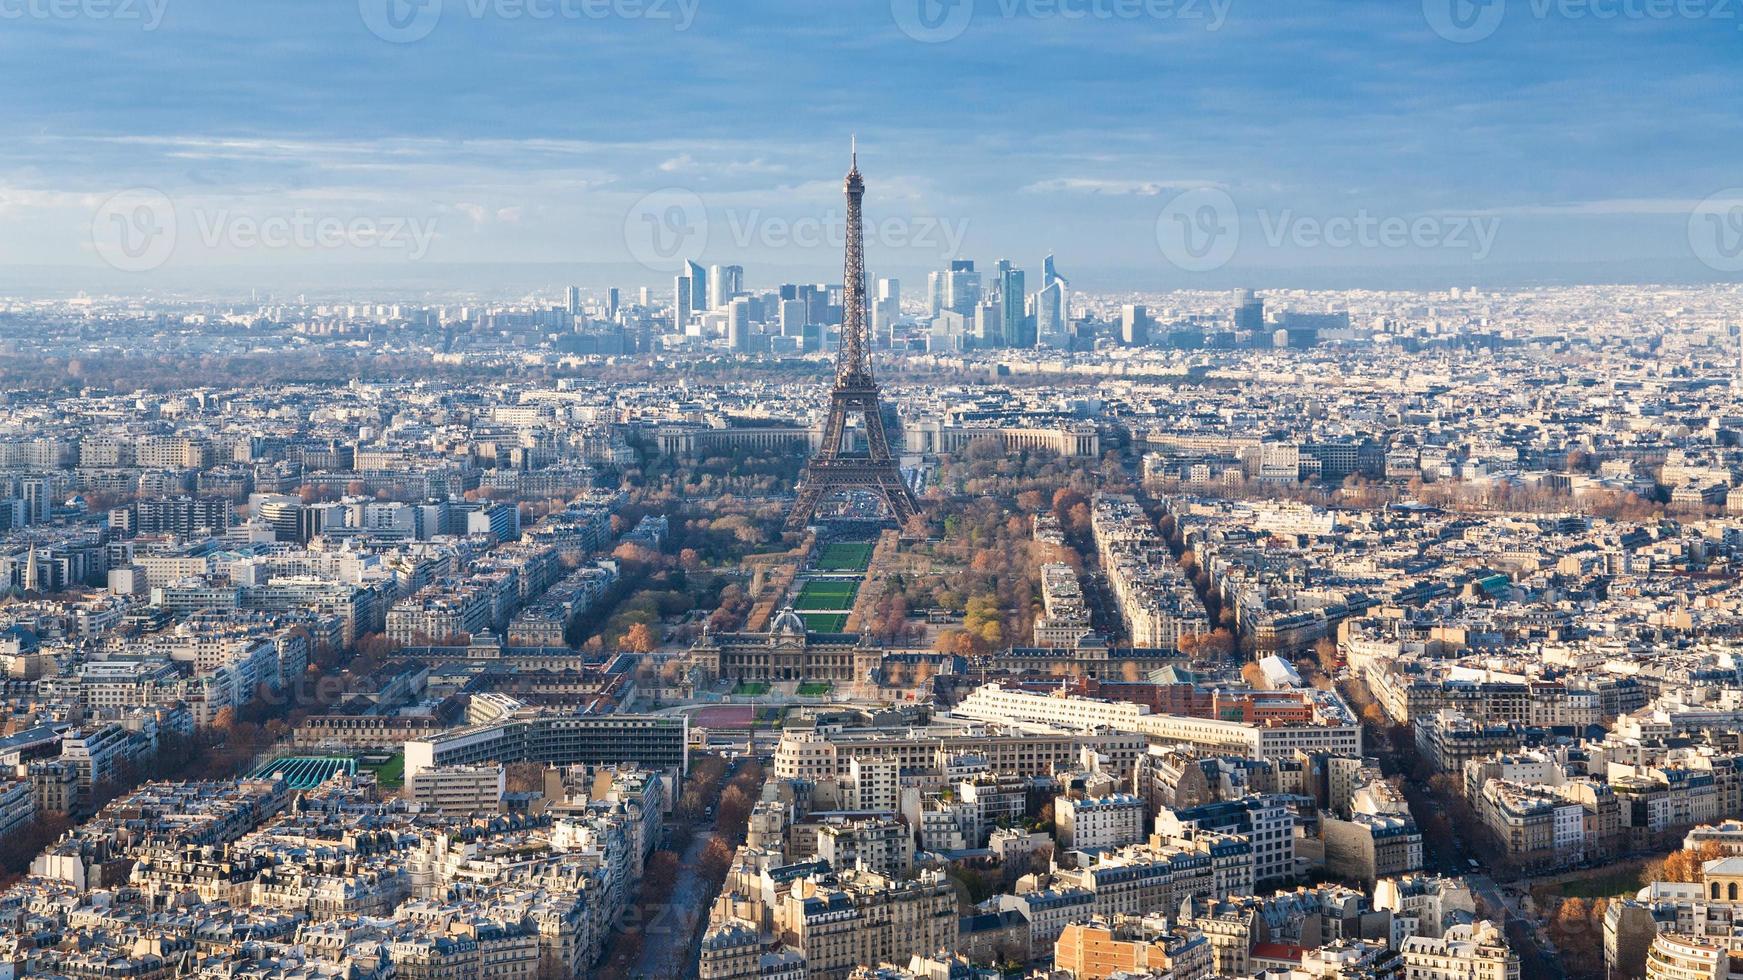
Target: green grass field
[(1624, 880), (826, 594), (814, 689), (390, 774), (824, 622), (845, 556), (751, 689)]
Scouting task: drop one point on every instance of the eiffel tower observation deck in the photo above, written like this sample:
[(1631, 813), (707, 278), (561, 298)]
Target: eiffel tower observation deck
[(834, 467)]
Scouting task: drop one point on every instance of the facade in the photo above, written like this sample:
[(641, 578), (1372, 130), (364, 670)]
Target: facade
[(651, 741), (1465, 952), (458, 789), (1097, 949), (786, 652), (1099, 823)]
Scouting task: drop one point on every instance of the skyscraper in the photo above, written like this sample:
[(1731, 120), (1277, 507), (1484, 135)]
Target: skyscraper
[(886, 310), (572, 300), (1050, 274), (1249, 311), (1014, 324), (724, 281), (793, 317), (611, 302), (1050, 277), (698, 277), (1050, 323), (1134, 325), (681, 308), (738, 323), (961, 287), (988, 325)]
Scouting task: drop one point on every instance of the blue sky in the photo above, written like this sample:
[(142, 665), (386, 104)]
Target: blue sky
[(1579, 136)]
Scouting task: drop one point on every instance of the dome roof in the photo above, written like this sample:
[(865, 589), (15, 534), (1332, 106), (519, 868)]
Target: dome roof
[(788, 623)]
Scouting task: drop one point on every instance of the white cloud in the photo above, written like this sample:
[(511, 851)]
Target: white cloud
[(1094, 185)]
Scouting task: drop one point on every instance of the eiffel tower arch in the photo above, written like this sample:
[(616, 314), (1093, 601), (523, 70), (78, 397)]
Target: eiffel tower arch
[(835, 466)]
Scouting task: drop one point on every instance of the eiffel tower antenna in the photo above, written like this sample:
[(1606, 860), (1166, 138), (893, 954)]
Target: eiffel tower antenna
[(835, 466)]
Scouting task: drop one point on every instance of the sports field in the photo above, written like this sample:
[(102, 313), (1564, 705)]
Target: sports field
[(824, 622), (827, 594), (845, 556)]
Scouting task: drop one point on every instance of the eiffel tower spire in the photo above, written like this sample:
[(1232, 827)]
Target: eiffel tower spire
[(835, 466), (851, 363)]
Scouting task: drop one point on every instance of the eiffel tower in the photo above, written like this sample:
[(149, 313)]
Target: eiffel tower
[(834, 467)]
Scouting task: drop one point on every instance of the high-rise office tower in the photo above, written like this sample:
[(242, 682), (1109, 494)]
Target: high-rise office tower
[(724, 282), (988, 325), (816, 297), (1050, 323), (1014, 324), (1249, 311), (646, 297), (935, 292), (1134, 325), (886, 310), (572, 300), (611, 300), (681, 308), (793, 317), (698, 277), (1050, 276), (738, 323), (962, 287)]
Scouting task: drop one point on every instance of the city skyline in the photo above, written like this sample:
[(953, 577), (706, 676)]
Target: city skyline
[(488, 170)]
